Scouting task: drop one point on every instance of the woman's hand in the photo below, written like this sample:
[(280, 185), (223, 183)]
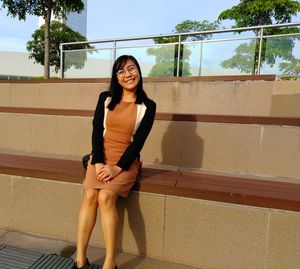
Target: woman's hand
[(108, 172), (98, 167)]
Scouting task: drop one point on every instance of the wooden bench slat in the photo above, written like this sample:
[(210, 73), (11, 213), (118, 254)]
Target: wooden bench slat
[(222, 188)]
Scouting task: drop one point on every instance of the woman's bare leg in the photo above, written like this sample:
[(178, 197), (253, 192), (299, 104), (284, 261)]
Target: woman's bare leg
[(86, 222), (109, 220)]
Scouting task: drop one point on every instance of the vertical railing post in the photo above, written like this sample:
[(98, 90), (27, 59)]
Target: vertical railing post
[(178, 55), (201, 56), (61, 61), (260, 50)]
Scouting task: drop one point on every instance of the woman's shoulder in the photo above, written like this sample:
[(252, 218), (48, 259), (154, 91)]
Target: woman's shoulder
[(151, 105), (149, 102), (105, 94)]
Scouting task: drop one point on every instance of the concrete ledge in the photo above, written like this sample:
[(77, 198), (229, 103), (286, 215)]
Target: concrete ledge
[(152, 79), (291, 121), (224, 188)]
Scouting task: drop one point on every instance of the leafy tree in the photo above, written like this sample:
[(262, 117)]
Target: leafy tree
[(243, 59), (60, 33), (256, 12), (261, 12), (167, 56), (165, 65), (291, 68), (189, 26), (44, 9)]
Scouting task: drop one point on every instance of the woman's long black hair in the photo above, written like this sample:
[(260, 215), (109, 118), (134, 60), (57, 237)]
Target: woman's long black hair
[(117, 90)]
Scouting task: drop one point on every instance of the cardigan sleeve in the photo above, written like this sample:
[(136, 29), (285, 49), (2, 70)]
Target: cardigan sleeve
[(139, 138), (98, 128)]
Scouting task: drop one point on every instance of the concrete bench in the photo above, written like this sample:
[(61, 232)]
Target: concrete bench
[(254, 191)]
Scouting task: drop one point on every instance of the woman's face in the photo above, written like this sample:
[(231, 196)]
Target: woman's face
[(128, 76)]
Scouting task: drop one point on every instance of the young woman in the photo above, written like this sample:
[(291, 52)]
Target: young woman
[(123, 119)]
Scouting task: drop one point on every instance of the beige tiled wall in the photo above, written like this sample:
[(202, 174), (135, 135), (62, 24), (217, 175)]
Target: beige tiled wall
[(56, 95), (15, 131), (284, 241), (215, 235), (239, 148), (45, 207), (220, 97), (200, 233), (279, 152), (262, 98), (46, 135), (286, 99), (142, 224), (5, 94), (286, 105), (5, 201)]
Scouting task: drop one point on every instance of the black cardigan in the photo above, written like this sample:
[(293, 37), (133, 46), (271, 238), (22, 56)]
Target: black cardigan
[(133, 150)]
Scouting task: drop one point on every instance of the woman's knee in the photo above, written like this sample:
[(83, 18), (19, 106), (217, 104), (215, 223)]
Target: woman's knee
[(90, 197), (107, 199)]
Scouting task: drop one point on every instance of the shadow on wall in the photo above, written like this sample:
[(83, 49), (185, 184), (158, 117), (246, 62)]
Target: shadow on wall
[(137, 226), (181, 145)]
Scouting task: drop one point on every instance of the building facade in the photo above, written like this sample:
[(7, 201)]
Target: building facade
[(76, 21)]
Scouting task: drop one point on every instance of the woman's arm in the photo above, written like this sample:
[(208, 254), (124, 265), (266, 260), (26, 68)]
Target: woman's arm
[(139, 137), (97, 135)]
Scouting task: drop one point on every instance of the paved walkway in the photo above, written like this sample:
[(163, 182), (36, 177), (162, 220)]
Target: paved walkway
[(24, 251)]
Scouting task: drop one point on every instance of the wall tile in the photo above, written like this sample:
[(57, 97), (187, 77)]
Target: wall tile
[(45, 207), (284, 241), (142, 224), (215, 235), (5, 94), (279, 152), (15, 131), (5, 201)]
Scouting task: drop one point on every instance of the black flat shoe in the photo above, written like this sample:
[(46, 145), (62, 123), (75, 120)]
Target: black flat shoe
[(86, 265)]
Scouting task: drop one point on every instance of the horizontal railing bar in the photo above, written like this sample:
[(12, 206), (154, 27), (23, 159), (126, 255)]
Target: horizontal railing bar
[(218, 40), (280, 35), (185, 42), (125, 47), (165, 44), (184, 34)]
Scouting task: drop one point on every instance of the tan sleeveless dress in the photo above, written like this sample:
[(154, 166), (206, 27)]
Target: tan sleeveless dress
[(119, 129)]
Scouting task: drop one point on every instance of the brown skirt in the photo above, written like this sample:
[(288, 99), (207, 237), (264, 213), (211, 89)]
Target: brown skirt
[(121, 184)]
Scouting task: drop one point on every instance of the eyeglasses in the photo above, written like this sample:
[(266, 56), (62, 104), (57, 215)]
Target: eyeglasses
[(130, 69)]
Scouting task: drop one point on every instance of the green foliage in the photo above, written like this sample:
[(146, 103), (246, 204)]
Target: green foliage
[(21, 8), (291, 68), (166, 57), (243, 59), (60, 33), (254, 13), (44, 9), (273, 48), (189, 26), (261, 12), (166, 61)]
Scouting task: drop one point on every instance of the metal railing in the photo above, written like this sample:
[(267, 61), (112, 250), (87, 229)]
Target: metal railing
[(209, 54)]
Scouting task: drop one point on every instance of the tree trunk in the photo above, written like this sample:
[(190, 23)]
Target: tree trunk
[(47, 44)]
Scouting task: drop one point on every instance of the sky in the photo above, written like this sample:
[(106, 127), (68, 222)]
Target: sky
[(109, 19)]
